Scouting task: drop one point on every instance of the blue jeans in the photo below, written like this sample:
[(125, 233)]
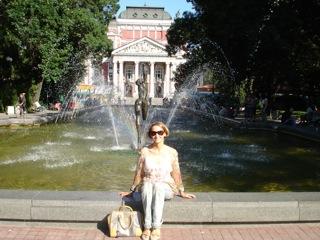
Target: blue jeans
[(153, 196)]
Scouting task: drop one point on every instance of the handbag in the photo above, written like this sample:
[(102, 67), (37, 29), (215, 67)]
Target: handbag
[(125, 222)]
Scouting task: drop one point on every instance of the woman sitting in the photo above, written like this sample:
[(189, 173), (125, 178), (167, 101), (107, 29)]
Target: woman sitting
[(159, 176)]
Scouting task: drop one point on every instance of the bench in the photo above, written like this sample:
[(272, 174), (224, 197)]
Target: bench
[(211, 207)]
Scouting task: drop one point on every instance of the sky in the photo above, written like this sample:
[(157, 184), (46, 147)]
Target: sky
[(171, 6)]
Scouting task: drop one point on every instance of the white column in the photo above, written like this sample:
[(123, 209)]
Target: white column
[(166, 83), (121, 82), (151, 90), (115, 76), (136, 76)]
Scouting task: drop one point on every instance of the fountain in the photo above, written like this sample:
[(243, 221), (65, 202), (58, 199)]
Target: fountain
[(97, 150)]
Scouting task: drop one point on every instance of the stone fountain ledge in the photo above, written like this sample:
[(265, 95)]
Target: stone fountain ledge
[(212, 207), (30, 119), (306, 132), (40, 118)]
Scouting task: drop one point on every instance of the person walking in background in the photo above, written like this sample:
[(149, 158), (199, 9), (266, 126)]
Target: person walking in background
[(22, 103), (253, 107), (264, 107), (250, 108), (247, 109), (159, 178)]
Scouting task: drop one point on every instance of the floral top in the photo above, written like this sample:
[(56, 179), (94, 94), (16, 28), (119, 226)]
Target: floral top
[(159, 167)]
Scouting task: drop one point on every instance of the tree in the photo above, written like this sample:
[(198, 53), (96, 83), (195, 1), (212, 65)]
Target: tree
[(48, 42), (189, 35), (290, 47), (222, 32), (269, 45)]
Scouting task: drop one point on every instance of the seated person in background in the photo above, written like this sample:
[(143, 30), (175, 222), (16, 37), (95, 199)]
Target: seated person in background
[(309, 113), (57, 106), (287, 118), (224, 112)]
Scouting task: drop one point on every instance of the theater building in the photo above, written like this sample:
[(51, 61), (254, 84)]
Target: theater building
[(139, 39)]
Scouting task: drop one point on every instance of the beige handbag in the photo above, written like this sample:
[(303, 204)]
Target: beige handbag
[(125, 222)]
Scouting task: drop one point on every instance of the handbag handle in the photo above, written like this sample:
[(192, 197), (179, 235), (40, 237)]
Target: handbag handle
[(125, 207), (121, 222)]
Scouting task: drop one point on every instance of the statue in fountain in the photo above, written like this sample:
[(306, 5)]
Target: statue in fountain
[(141, 104)]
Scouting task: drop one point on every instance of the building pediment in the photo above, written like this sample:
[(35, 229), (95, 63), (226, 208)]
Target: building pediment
[(143, 46)]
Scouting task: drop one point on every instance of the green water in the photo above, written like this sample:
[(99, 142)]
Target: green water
[(250, 161), (79, 156)]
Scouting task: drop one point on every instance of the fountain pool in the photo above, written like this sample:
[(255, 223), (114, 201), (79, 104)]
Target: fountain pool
[(83, 155)]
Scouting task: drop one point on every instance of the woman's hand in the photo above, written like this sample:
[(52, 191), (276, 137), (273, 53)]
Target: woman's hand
[(187, 195), (125, 194)]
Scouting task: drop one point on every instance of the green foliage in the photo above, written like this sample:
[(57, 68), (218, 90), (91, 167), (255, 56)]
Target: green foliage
[(290, 47), (48, 41), (261, 46), (241, 93)]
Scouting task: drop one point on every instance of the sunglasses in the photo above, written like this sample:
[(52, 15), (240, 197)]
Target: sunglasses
[(153, 133)]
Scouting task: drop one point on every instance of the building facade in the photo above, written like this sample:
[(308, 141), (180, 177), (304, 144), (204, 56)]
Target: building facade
[(139, 39)]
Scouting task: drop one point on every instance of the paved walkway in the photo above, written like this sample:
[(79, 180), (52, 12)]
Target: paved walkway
[(301, 231)]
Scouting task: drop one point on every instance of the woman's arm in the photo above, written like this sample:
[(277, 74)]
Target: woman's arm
[(176, 175), (139, 172)]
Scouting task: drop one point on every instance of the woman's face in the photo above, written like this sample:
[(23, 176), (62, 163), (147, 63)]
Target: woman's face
[(157, 134)]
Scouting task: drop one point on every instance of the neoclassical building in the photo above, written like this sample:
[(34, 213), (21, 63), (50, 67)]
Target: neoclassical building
[(139, 38)]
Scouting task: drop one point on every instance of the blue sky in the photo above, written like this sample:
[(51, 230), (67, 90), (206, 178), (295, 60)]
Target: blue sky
[(171, 6)]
